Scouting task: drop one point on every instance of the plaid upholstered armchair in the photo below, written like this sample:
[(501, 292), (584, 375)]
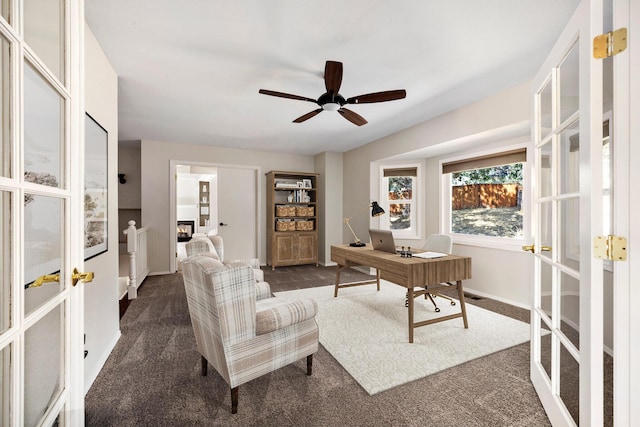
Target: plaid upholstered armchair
[(241, 336)]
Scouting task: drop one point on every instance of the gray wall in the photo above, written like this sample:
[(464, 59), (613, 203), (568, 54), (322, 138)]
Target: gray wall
[(129, 164), (329, 166)]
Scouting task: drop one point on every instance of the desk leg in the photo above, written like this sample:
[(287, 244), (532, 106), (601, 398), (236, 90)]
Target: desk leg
[(410, 311), (338, 268), (378, 278), (462, 306)]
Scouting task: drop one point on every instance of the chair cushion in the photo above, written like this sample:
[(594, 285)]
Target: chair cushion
[(275, 313)]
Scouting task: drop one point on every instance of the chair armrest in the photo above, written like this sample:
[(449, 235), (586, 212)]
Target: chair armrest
[(273, 314), (252, 262), (263, 290), (258, 274)]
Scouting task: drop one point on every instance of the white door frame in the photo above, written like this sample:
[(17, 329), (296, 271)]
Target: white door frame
[(75, 412), (626, 177), (173, 164)]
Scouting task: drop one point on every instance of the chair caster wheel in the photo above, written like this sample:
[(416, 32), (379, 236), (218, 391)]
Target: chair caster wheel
[(453, 303), (437, 310)]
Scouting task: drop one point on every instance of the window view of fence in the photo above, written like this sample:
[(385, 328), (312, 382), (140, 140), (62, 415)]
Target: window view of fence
[(488, 201)]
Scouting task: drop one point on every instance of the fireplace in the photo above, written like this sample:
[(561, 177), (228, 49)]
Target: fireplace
[(185, 230)]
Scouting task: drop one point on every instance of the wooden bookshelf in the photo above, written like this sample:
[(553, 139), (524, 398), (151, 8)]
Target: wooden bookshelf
[(292, 218)]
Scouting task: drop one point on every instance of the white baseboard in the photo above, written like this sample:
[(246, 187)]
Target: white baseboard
[(607, 349), (159, 273), (497, 298), (90, 377)]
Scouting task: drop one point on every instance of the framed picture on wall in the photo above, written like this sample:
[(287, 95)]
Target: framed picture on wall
[(95, 189)]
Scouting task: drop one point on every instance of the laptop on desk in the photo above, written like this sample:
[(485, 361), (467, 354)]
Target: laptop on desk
[(382, 240)]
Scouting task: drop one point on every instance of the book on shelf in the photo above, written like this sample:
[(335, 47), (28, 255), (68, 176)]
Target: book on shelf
[(301, 196), (285, 184)]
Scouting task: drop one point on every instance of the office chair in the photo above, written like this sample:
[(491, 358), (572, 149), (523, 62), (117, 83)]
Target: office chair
[(437, 243)]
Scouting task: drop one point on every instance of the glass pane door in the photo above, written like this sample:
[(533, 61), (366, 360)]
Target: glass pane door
[(39, 114), (566, 348)]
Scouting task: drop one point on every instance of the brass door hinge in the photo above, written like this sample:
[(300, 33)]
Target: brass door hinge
[(613, 248), (609, 44)]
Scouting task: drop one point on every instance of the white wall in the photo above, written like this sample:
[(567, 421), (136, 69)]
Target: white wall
[(155, 167), (102, 325), (488, 122), (499, 120)]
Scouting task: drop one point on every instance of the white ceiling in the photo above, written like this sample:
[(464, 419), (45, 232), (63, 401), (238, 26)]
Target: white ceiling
[(190, 70)]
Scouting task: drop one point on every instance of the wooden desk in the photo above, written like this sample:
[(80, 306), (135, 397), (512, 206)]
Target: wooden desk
[(410, 273)]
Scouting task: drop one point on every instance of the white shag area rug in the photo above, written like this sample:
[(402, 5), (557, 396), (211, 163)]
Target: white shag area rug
[(367, 332)]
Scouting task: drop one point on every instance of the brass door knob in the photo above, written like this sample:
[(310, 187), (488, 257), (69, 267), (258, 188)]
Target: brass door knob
[(545, 248), (84, 277), (529, 248)]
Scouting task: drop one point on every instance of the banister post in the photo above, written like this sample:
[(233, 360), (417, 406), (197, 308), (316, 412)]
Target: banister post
[(132, 247)]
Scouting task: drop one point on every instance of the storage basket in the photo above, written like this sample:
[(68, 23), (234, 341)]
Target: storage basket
[(303, 225), (282, 210), (285, 225), (304, 211)]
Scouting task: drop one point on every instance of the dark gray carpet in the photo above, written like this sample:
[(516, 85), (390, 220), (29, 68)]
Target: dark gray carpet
[(152, 378)]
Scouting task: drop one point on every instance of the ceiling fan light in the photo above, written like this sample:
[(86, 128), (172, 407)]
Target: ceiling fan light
[(331, 106)]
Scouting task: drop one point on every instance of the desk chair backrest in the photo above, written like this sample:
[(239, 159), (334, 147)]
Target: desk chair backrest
[(439, 243)]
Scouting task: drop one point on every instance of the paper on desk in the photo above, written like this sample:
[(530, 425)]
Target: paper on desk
[(429, 255)]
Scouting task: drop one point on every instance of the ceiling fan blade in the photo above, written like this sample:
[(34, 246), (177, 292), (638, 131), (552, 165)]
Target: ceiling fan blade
[(307, 116), (388, 95), (354, 118), (333, 76), (285, 95)]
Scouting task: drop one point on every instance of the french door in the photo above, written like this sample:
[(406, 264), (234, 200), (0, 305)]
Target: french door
[(567, 315), (41, 207)]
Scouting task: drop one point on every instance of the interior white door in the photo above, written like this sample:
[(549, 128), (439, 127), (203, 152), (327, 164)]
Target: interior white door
[(41, 207), (238, 212), (567, 315)]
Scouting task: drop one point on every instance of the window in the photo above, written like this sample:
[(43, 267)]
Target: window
[(398, 197), (483, 196)]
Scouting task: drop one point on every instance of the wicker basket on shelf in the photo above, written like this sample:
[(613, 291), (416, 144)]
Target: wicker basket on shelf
[(303, 225), (282, 210), (304, 211), (285, 225)]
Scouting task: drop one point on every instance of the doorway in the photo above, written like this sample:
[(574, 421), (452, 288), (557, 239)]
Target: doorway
[(218, 200)]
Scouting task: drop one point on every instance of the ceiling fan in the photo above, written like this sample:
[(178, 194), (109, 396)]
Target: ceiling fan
[(331, 100)]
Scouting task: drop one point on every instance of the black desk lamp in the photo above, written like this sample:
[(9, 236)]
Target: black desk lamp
[(376, 210)]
